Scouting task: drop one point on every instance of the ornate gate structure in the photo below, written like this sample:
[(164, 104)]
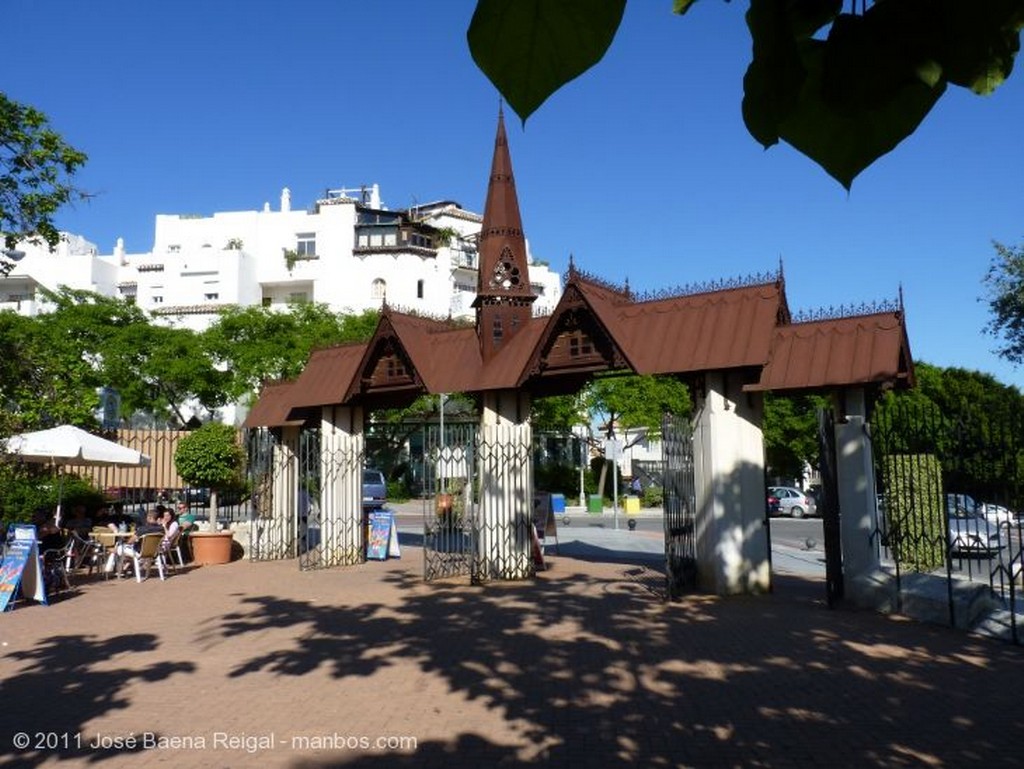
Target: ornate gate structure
[(680, 504), (731, 341)]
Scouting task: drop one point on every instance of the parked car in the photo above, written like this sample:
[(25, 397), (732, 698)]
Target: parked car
[(970, 531), (773, 504), (997, 514), (792, 502), (375, 490)]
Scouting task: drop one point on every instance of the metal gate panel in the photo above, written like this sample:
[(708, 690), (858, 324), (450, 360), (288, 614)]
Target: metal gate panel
[(332, 532), (680, 503), (448, 512), (272, 471), (831, 530)]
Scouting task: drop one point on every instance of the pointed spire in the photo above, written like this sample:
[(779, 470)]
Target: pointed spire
[(504, 294)]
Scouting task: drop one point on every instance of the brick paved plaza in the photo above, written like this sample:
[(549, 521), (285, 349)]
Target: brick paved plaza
[(259, 664)]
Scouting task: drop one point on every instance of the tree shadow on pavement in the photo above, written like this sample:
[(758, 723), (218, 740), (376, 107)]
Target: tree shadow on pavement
[(593, 670), (65, 682)]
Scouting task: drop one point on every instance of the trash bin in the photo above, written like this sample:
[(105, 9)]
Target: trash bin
[(632, 505), (558, 503), (595, 503)]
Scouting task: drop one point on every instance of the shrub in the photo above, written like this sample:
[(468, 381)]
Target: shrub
[(915, 510)]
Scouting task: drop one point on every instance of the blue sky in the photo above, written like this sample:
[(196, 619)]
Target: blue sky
[(642, 168)]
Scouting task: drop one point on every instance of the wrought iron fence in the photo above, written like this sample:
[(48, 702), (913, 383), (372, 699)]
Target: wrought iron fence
[(680, 504), (478, 506), (951, 486)]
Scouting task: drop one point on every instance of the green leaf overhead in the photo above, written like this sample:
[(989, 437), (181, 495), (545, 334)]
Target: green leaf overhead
[(844, 89), (849, 99), (531, 48)]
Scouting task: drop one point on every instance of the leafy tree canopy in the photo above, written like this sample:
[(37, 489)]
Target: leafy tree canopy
[(257, 344), (36, 166), (1004, 283), (621, 403), (842, 88), (211, 457)]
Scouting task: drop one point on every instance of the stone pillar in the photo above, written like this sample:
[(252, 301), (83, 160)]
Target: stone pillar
[(342, 533), (505, 470), (856, 477), (732, 543)]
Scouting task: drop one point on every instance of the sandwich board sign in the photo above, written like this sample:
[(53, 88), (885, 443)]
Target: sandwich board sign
[(21, 566), (382, 542)]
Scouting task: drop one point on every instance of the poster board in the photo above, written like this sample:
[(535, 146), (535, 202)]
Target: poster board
[(21, 566), (382, 540), (544, 517)]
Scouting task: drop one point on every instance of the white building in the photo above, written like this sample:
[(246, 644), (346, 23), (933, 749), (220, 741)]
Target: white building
[(348, 251)]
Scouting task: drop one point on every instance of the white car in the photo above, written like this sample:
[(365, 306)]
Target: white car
[(998, 515), (970, 532), (792, 502)]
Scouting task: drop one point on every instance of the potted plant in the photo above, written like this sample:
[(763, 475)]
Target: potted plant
[(211, 457)]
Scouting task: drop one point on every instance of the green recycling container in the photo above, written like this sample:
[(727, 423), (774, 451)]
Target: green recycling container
[(595, 503)]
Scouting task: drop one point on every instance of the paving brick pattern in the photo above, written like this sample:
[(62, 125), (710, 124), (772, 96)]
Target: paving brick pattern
[(259, 664)]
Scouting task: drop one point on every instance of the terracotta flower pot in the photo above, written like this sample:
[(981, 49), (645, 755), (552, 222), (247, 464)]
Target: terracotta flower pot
[(209, 548)]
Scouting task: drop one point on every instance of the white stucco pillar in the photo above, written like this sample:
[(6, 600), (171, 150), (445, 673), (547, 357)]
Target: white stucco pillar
[(856, 480), (732, 543), (341, 537), (505, 470)]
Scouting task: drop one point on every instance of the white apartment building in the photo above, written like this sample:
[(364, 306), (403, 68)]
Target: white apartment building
[(347, 251)]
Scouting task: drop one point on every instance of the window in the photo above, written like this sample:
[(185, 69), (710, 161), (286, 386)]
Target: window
[(305, 244), (209, 297), (158, 299), (496, 330), (579, 345), (296, 296), (378, 289), (174, 249), (268, 301), (419, 289)]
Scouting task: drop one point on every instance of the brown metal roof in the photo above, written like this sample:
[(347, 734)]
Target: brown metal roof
[(723, 329), (841, 351), (327, 375), (273, 407)]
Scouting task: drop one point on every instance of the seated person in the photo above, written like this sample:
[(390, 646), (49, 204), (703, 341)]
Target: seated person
[(186, 521), (48, 534), (170, 526), (78, 521), (130, 547)]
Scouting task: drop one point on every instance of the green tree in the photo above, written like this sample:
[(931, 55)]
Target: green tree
[(842, 88), (211, 457), (790, 430), (625, 403), (43, 381), (36, 166), (1004, 285), (257, 344), (103, 341)]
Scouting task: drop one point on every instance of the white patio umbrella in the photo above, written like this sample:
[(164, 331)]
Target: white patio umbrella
[(69, 445)]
